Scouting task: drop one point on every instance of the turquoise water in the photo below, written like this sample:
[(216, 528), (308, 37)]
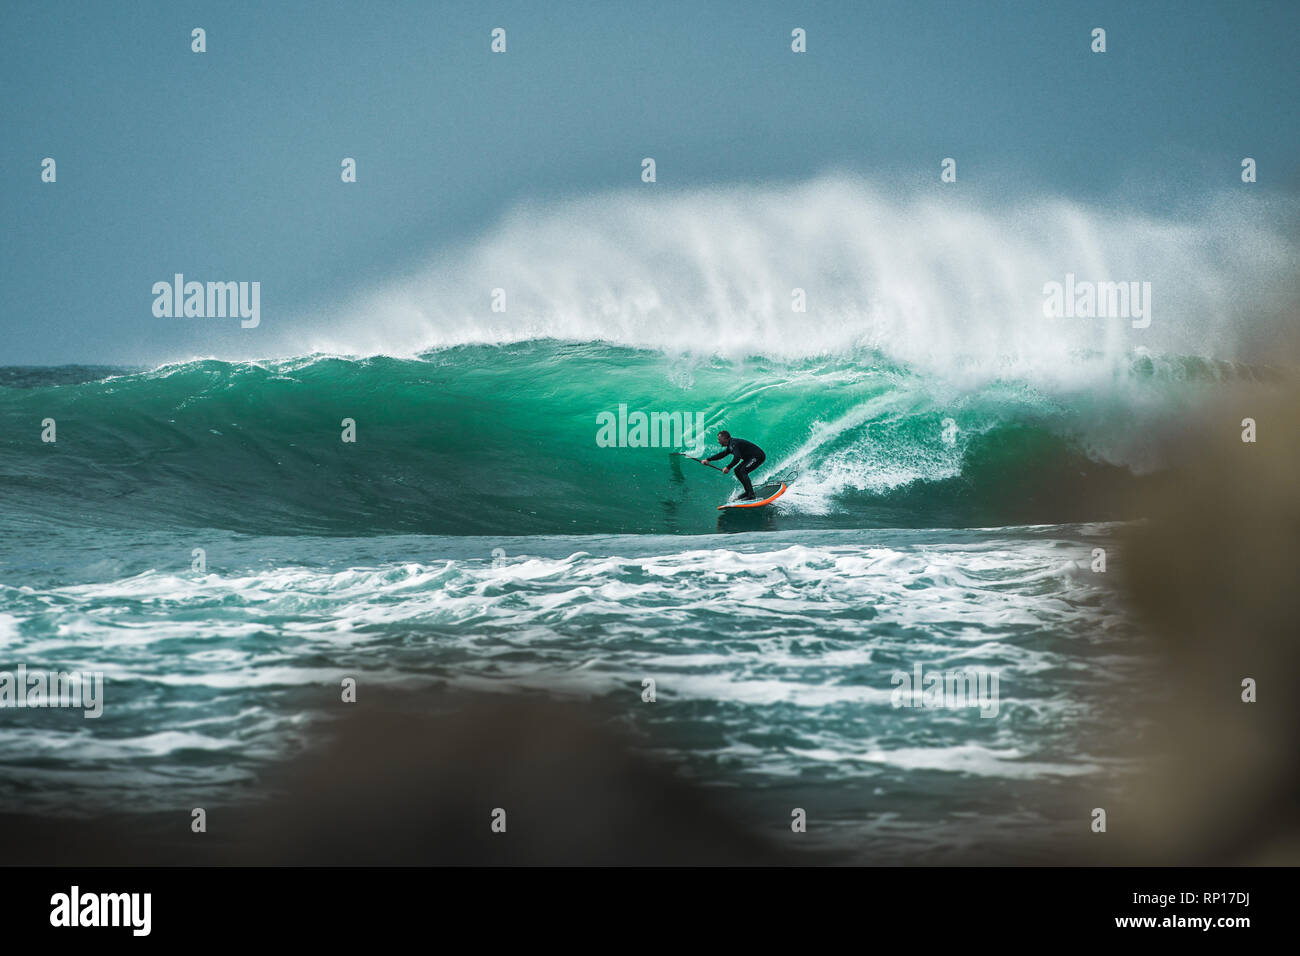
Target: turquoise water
[(503, 440), (477, 536)]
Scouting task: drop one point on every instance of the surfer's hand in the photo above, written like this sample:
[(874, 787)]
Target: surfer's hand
[(727, 470)]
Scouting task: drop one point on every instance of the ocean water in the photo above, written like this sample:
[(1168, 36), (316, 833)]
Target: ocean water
[(476, 536)]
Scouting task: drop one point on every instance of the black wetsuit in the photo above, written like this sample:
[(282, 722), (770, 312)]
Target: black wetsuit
[(747, 457)]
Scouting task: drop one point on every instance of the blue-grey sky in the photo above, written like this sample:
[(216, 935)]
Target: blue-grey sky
[(225, 165)]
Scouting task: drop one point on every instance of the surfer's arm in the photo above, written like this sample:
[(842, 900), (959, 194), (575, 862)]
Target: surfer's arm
[(722, 454)]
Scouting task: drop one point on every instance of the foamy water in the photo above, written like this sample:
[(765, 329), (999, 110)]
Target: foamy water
[(772, 656)]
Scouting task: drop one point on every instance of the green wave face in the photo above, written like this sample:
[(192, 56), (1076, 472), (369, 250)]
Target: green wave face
[(517, 440)]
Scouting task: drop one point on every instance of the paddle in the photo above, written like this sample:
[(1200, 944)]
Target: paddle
[(682, 454)]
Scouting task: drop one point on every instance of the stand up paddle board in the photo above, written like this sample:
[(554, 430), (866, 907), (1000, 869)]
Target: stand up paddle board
[(763, 495)]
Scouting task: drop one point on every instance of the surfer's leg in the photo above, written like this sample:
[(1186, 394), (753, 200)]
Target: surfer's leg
[(742, 472)]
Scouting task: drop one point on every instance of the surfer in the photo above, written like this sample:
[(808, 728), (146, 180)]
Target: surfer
[(747, 457)]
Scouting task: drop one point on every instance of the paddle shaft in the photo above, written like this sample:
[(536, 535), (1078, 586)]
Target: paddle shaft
[(682, 454)]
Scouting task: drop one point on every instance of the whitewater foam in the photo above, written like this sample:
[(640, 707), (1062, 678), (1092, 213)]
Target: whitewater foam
[(944, 283)]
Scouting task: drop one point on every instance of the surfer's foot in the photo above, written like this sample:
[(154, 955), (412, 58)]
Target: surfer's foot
[(749, 496)]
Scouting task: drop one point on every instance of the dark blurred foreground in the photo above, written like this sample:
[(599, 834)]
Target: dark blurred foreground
[(398, 787), (1215, 578)]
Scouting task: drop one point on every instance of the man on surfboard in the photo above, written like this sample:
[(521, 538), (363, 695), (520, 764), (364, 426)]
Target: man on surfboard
[(747, 457)]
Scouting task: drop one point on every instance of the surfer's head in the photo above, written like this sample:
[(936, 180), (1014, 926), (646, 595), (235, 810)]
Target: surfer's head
[(724, 437)]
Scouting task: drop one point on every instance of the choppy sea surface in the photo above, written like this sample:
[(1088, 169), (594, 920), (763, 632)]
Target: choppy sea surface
[(773, 655)]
